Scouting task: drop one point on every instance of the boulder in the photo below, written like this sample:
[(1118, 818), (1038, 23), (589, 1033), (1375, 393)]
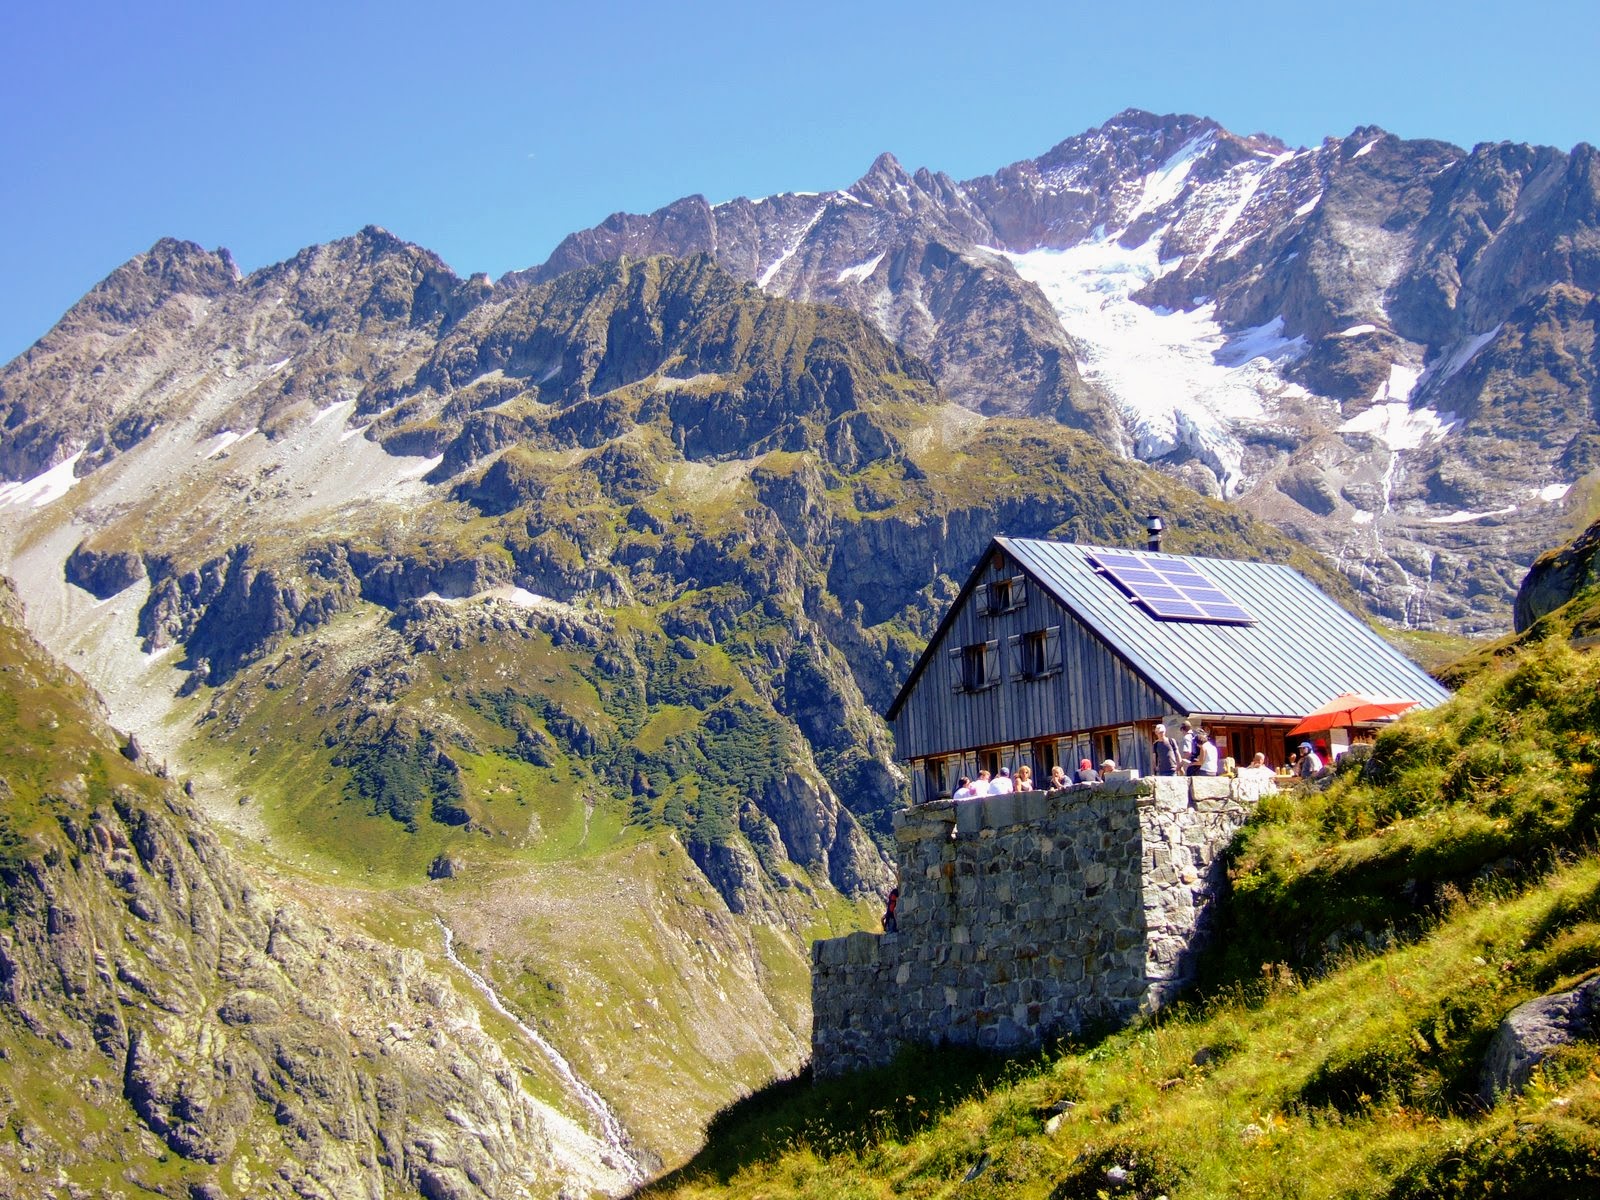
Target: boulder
[(1531, 1031)]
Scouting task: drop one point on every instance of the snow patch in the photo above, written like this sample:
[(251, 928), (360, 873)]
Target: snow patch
[(1399, 426), (333, 408), (1164, 184), (44, 487), (1366, 150), (670, 383), (420, 467), (1461, 516), (860, 272), (1252, 184), (1306, 209), (1355, 331), (771, 272), (1392, 420), (1458, 356), (1360, 517), (521, 597), (1550, 493), (222, 441)]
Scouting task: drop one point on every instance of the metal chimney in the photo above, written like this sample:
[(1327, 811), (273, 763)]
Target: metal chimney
[(1153, 527)]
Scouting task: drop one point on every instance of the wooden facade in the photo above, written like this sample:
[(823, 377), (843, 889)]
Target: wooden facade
[(1081, 701)]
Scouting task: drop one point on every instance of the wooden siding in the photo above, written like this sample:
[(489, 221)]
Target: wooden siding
[(1094, 689)]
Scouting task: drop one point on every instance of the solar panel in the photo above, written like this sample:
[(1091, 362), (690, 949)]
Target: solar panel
[(1169, 588)]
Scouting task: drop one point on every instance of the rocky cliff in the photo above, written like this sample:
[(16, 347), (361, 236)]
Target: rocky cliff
[(173, 1023)]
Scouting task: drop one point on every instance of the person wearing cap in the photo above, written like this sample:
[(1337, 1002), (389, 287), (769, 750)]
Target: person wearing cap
[(1106, 768), (1310, 761), (1002, 783), (1085, 772), (1166, 751)]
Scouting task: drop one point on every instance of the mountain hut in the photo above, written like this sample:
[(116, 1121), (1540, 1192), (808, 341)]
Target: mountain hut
[(1055, 652)]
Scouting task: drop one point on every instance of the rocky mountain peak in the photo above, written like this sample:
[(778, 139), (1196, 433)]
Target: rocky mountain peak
[(888, 187), (685, 226), (885, 173), (144, 283), (1133, 140)]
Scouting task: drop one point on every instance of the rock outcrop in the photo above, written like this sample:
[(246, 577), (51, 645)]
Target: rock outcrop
[(1531, 1031)]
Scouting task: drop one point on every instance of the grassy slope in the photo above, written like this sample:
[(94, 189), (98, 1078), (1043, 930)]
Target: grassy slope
[(1375, 936)]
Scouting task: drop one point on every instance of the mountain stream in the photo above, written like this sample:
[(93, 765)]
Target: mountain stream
[(612, 1132)]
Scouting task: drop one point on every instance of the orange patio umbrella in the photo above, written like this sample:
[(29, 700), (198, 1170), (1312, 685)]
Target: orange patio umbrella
[(1351, 708)]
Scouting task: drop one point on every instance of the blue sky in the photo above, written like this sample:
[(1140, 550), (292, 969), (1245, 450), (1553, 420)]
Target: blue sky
[(487, 131)]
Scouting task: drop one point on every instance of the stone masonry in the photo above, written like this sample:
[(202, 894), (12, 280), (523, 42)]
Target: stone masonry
[(1025, 917)]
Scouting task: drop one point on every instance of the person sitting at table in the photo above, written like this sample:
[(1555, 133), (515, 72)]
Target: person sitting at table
[(1058, 778), (1024, 779), (1310, 761), (1085, 772)]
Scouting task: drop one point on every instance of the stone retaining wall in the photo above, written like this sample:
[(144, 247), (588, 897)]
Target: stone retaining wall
[(1023, 917)]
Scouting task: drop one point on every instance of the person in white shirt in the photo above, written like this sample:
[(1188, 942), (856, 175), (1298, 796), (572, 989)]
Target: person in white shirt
[(1205, 754), (1002, 784), (981, 785), (964, 790)]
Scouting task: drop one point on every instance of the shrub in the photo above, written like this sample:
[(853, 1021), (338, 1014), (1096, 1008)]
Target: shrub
[(1550, 1160)]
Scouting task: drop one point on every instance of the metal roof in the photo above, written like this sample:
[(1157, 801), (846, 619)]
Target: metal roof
[(1301, 649)]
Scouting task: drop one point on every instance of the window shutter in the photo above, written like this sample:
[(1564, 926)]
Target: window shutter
[(991, 662), (980, 597), (1052, 649), (1019, 590), (1014, 656), (957, 683)]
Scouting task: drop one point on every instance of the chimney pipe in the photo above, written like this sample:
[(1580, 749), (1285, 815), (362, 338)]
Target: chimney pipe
[(1153, 527)]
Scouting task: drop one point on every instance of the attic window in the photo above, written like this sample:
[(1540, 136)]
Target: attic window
[(1170, 589), (1002, 595)]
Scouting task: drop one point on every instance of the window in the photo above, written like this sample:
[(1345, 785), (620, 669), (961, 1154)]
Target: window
[(1034, 655), (974, 667), (941, 776), (1001, 595)]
